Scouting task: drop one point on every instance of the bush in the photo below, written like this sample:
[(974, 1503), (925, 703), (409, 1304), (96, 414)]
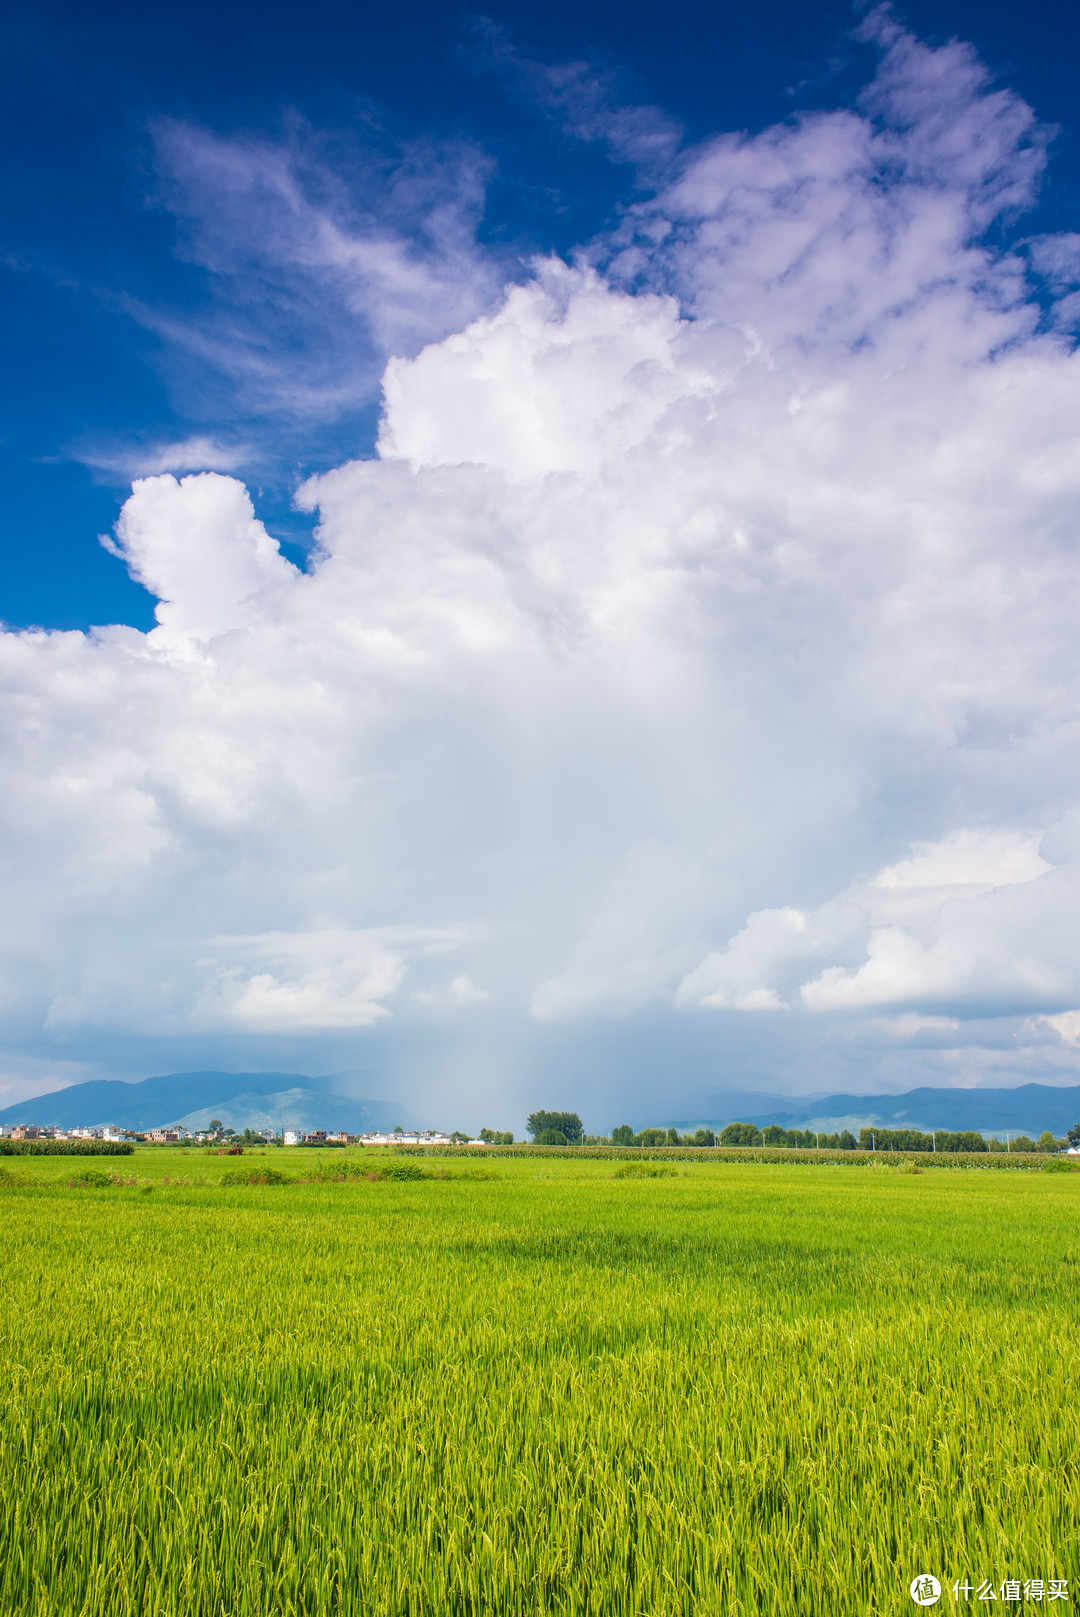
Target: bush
[(397, 1171), (469, 1173), (551, 1137), (93, 1179), (256, 1176)]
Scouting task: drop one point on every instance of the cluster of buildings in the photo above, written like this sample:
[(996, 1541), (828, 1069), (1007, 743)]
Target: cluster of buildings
[(182, 1136), (173, 1136), (28, 1131), (399, 1137)]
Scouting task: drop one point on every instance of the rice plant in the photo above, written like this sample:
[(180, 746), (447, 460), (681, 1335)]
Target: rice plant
[(748, 1389)]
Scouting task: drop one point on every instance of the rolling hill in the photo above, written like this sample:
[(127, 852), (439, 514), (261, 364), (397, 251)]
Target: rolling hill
[(240, 1099), (1028, 1109)]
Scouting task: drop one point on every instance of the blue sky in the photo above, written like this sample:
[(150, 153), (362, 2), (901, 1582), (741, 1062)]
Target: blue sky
[(97, 273), (588, 592)]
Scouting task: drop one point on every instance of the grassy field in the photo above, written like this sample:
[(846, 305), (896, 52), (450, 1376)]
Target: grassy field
[(729, 1388)]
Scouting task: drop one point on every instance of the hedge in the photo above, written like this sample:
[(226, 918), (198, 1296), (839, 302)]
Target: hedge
[(66, 1148)]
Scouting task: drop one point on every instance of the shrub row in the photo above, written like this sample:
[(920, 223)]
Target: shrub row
[(65, 1148), (391, 1169)]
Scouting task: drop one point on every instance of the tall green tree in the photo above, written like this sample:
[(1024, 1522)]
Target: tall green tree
[(568, 1123), (741, 1134)]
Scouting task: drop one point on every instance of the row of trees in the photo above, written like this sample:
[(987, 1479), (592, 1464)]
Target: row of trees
[(794, 1139), (944, 1140), (624, 1135), (566, 1128), (733, 1134)]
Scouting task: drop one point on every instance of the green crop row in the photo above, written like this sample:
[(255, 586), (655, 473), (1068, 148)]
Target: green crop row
[(65, 1148), (809, 1157)]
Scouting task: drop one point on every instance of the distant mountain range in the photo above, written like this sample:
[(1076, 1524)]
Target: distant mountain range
[(240, 1099), (1028, 1109), (282, 1100)]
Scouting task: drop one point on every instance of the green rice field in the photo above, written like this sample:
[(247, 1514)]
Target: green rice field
[(729, 1387)]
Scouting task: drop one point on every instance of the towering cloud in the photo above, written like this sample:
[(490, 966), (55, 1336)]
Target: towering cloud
[(693, 671)]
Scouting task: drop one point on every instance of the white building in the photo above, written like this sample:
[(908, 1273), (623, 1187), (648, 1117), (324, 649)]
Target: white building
[(412, 1137), (293, 1137)]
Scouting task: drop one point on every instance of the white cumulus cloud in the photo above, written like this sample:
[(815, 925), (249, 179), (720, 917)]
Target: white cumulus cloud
[(197, 546), (700, 641)]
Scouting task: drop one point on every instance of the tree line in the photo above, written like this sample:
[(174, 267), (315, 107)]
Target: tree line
[(566, 1128)]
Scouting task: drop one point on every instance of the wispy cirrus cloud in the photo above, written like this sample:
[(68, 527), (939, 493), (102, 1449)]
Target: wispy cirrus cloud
[(322, 257), (200, 452), (585, 101)]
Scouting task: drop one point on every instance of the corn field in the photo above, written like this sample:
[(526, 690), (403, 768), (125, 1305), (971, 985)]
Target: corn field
[(561, 1389)]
